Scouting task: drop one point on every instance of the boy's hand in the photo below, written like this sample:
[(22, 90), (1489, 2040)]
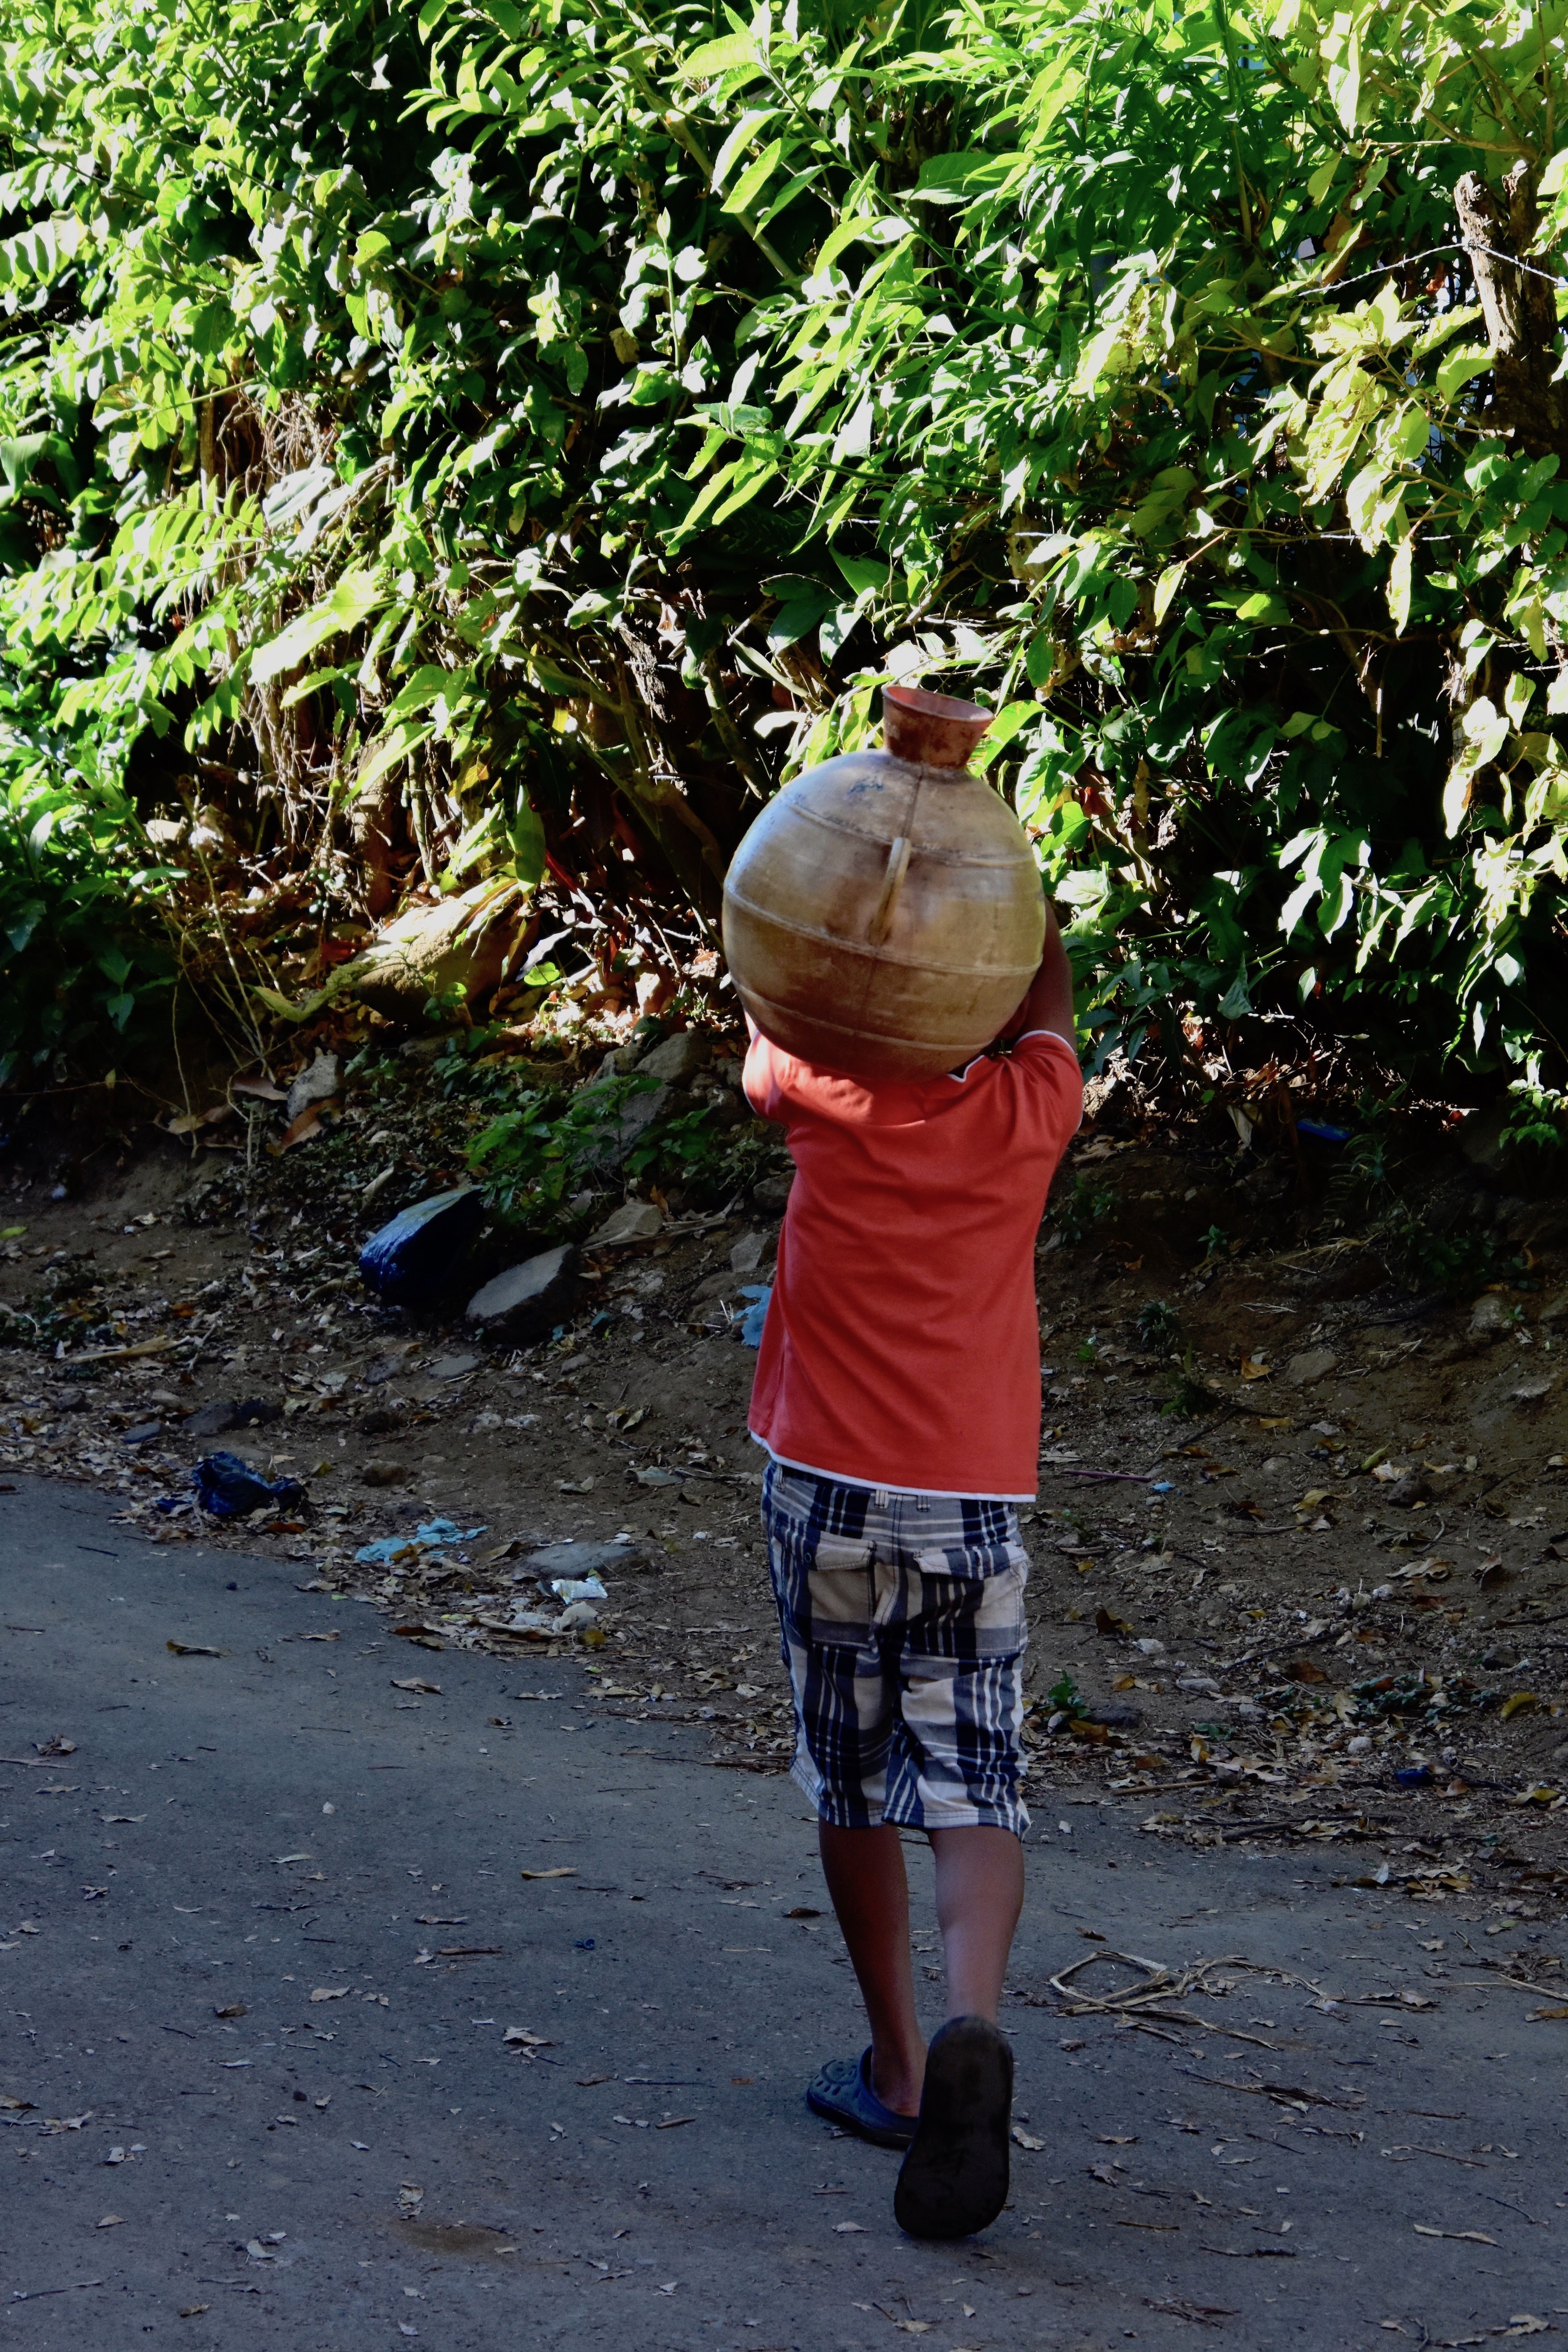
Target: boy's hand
[(1048, 1004)]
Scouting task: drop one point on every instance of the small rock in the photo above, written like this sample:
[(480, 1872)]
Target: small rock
[(379, 1422), (1556, 1309), (1535, 1389), (1412, 1487), (227, 1413), (633, 1221), (1481, 1137), (1313, 1364), (418, 1255), (1150, 1647), (454, 1367), (527, 1298), (752, 1251), (576, 1559), (1115, 1713), (144, 1435), (716, 1285), (319, 1083), (384, 1473), (1499, 1659), (1489, 1316), (677, 1060), (771, 1197)]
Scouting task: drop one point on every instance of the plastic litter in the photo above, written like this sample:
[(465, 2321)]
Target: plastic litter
[(755, 1315), (418, 1256), (431, 1534), (1323, 1133), (228, 1488), (568, 1589), (578, 1618)]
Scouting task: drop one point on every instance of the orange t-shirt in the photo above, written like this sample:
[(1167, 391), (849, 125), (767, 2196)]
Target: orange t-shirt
[(902, 1343)]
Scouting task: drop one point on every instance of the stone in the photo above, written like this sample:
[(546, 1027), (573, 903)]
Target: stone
[(379, 1422), (528, 1298), (1115, 1713), (753, 1251), (633, 1221), (225, 1413), (717, 1285), (1489, 1316), (1533, 1390), (144, 1435), (1412, 1487), (318, 1083), (1556, 1309), (770, 1194), (384, 1473), (1481, 1137), (677, 1060), (1313, 1364), (454, 1367), (576, 1560)]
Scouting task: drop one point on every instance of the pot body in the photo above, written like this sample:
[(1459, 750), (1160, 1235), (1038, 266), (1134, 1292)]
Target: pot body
[(884, 917)]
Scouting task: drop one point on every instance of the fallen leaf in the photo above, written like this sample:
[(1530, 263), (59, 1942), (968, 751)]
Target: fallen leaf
[(192, 1650), (110, 2221), (58, 1746), (1105, 1624), (673, 2123), (15, 2106), (193, 2310), (1521, 1703), (1026, 2140), (520, 2035), (1533, 2015), (1466, 2237), (234, 2009), (1303, 1670), (574, 1485), (566, 1869), (417, 1683), (1254, 1368), (845, 2229), (330, 1992)]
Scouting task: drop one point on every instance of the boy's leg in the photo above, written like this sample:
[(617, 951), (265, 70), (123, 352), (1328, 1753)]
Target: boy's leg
[(865, 1875), (979, 1896)]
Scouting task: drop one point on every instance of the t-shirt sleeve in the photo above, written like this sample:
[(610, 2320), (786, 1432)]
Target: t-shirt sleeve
[(759, 1078), (1045, 1066)]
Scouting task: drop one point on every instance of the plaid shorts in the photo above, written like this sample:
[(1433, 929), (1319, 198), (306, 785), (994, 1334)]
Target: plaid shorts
[(902, 1618)]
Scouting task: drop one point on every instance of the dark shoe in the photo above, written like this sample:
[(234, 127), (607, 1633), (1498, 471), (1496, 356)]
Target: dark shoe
[(954, 2179), (843, 2093)]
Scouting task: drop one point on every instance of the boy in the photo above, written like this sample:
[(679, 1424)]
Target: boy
[(898, 1393)]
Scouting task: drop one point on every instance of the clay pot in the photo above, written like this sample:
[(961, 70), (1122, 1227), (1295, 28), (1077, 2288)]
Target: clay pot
[(884, 916)]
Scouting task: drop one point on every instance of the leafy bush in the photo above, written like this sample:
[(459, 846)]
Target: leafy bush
[(575, 417)]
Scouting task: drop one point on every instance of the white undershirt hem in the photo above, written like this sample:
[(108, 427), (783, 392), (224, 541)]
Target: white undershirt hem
[(881, 1486)]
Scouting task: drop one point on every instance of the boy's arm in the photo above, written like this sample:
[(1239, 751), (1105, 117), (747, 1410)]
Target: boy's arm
[(1048, 1004)]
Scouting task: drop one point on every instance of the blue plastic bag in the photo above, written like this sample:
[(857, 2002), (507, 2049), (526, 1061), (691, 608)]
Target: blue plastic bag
[(755, 1315), (431, 1534), (228, 1488)]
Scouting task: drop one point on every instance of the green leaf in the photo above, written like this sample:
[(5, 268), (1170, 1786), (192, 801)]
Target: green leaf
[(1398, 589), (714, 59), (1460, 367), (356, 596), (754, 179)]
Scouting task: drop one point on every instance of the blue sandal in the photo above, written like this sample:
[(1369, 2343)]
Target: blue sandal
[(843, 2093)]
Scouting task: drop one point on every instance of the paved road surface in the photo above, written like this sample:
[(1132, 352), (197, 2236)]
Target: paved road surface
[(359, 2158)]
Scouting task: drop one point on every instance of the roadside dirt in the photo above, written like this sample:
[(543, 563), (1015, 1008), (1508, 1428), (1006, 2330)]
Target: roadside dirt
[(1324, 1603)]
